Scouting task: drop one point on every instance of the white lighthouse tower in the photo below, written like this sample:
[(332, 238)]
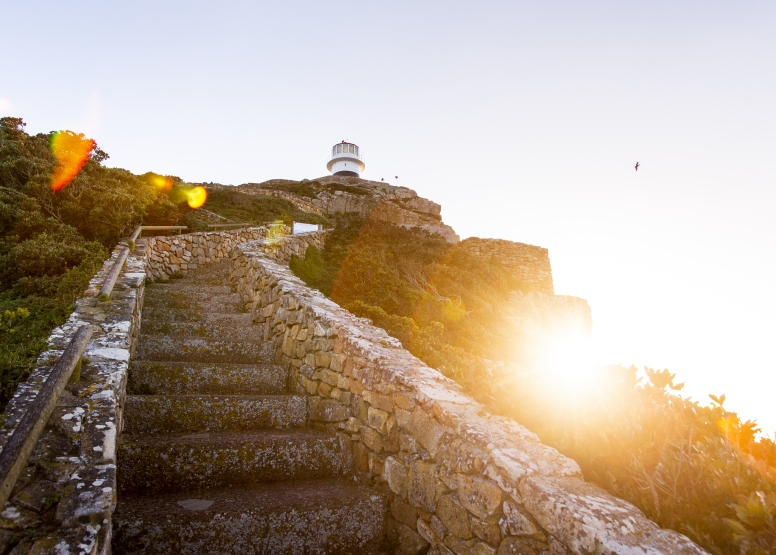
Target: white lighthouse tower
[(345, 160)]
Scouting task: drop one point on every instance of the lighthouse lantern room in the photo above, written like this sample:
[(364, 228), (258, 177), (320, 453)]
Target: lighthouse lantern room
[(345, 160)]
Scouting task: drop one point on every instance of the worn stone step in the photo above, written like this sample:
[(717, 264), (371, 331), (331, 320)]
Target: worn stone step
[(194, 349), (230, 320), (200, 329), (185, 287), (155, 414), (158, 298), (308, 517), (172, 462), (208, 378)]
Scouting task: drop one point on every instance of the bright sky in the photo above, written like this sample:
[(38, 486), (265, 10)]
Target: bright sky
[(523, 119)]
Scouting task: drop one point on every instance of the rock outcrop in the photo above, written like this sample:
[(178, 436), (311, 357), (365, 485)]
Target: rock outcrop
[(528, 263), (374, 199)]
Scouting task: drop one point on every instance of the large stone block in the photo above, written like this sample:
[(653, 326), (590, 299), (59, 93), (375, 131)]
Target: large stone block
[(380, 420), (586, 519), (480, 496), (404, 512), (372, 439), (487, 530), (422, 485), (427, 431), (327, 410), (360, 457), (410, 542), (516, 523), (454, 517), (396, 476), (513, 545)]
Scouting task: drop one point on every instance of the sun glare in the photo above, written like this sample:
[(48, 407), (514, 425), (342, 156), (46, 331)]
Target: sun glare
[(565, 365), (72, 152)]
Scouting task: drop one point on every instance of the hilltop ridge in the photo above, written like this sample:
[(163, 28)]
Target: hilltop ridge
[(377, 200)]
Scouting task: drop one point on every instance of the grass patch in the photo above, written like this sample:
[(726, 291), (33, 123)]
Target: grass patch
[(254, 209)]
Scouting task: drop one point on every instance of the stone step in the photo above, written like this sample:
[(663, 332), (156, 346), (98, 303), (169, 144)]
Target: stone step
[(154, 414), (210, 319), (199, 329), (183, 286), (190, 349), (158, 298), (174, 462), (311, 517), (182, 378)]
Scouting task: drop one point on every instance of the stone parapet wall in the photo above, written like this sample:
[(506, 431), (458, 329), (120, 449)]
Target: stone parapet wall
[(528, 263), (461, 480), (73, 464), (169, 255)]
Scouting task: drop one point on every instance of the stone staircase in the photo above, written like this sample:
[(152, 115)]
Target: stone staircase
[(216, 456)]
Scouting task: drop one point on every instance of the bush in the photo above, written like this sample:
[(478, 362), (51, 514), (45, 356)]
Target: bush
[(696, 469)]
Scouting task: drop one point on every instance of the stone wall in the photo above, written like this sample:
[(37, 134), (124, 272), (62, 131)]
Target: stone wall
[(528, 263), (172, 254), (73, 465), (461, 480)]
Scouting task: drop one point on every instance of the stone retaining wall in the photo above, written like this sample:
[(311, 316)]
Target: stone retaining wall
[(528, 263), (169, 255), (461, 480)]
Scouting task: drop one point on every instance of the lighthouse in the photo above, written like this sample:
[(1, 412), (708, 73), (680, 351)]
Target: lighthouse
[(345, 160)]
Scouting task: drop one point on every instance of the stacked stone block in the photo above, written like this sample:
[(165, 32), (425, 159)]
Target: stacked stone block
[(73, 466), (528, 263), (463, 481), (170, 255)]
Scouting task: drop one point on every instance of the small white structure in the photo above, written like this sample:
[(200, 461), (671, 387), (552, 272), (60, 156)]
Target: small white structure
[(345, 160), (300, 227)]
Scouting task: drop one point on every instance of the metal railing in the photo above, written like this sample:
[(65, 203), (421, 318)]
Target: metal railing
[(13, 458)]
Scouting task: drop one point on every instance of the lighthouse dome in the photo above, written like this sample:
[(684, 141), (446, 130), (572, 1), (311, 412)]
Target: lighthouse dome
[(346, 159)]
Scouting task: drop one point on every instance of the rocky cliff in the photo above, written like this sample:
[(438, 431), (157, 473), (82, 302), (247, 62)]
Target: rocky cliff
[(337, 195)]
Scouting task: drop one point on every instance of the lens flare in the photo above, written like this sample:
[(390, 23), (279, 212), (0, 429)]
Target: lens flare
[(196, 197), (277, 230), (163, 184), (72, 151)]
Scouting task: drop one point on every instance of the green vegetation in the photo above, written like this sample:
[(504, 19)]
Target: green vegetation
[(696, 469), (52, 243), (311, 189), (417, 286), (242, 207)]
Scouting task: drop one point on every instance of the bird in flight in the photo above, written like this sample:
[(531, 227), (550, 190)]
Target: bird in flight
[(637, 166)]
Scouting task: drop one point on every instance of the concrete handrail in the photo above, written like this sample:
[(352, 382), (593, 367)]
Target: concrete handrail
[(13, 458), (231, 225), (113, 275)]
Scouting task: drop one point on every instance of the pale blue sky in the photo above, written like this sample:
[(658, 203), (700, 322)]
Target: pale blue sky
[(523, 119)]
